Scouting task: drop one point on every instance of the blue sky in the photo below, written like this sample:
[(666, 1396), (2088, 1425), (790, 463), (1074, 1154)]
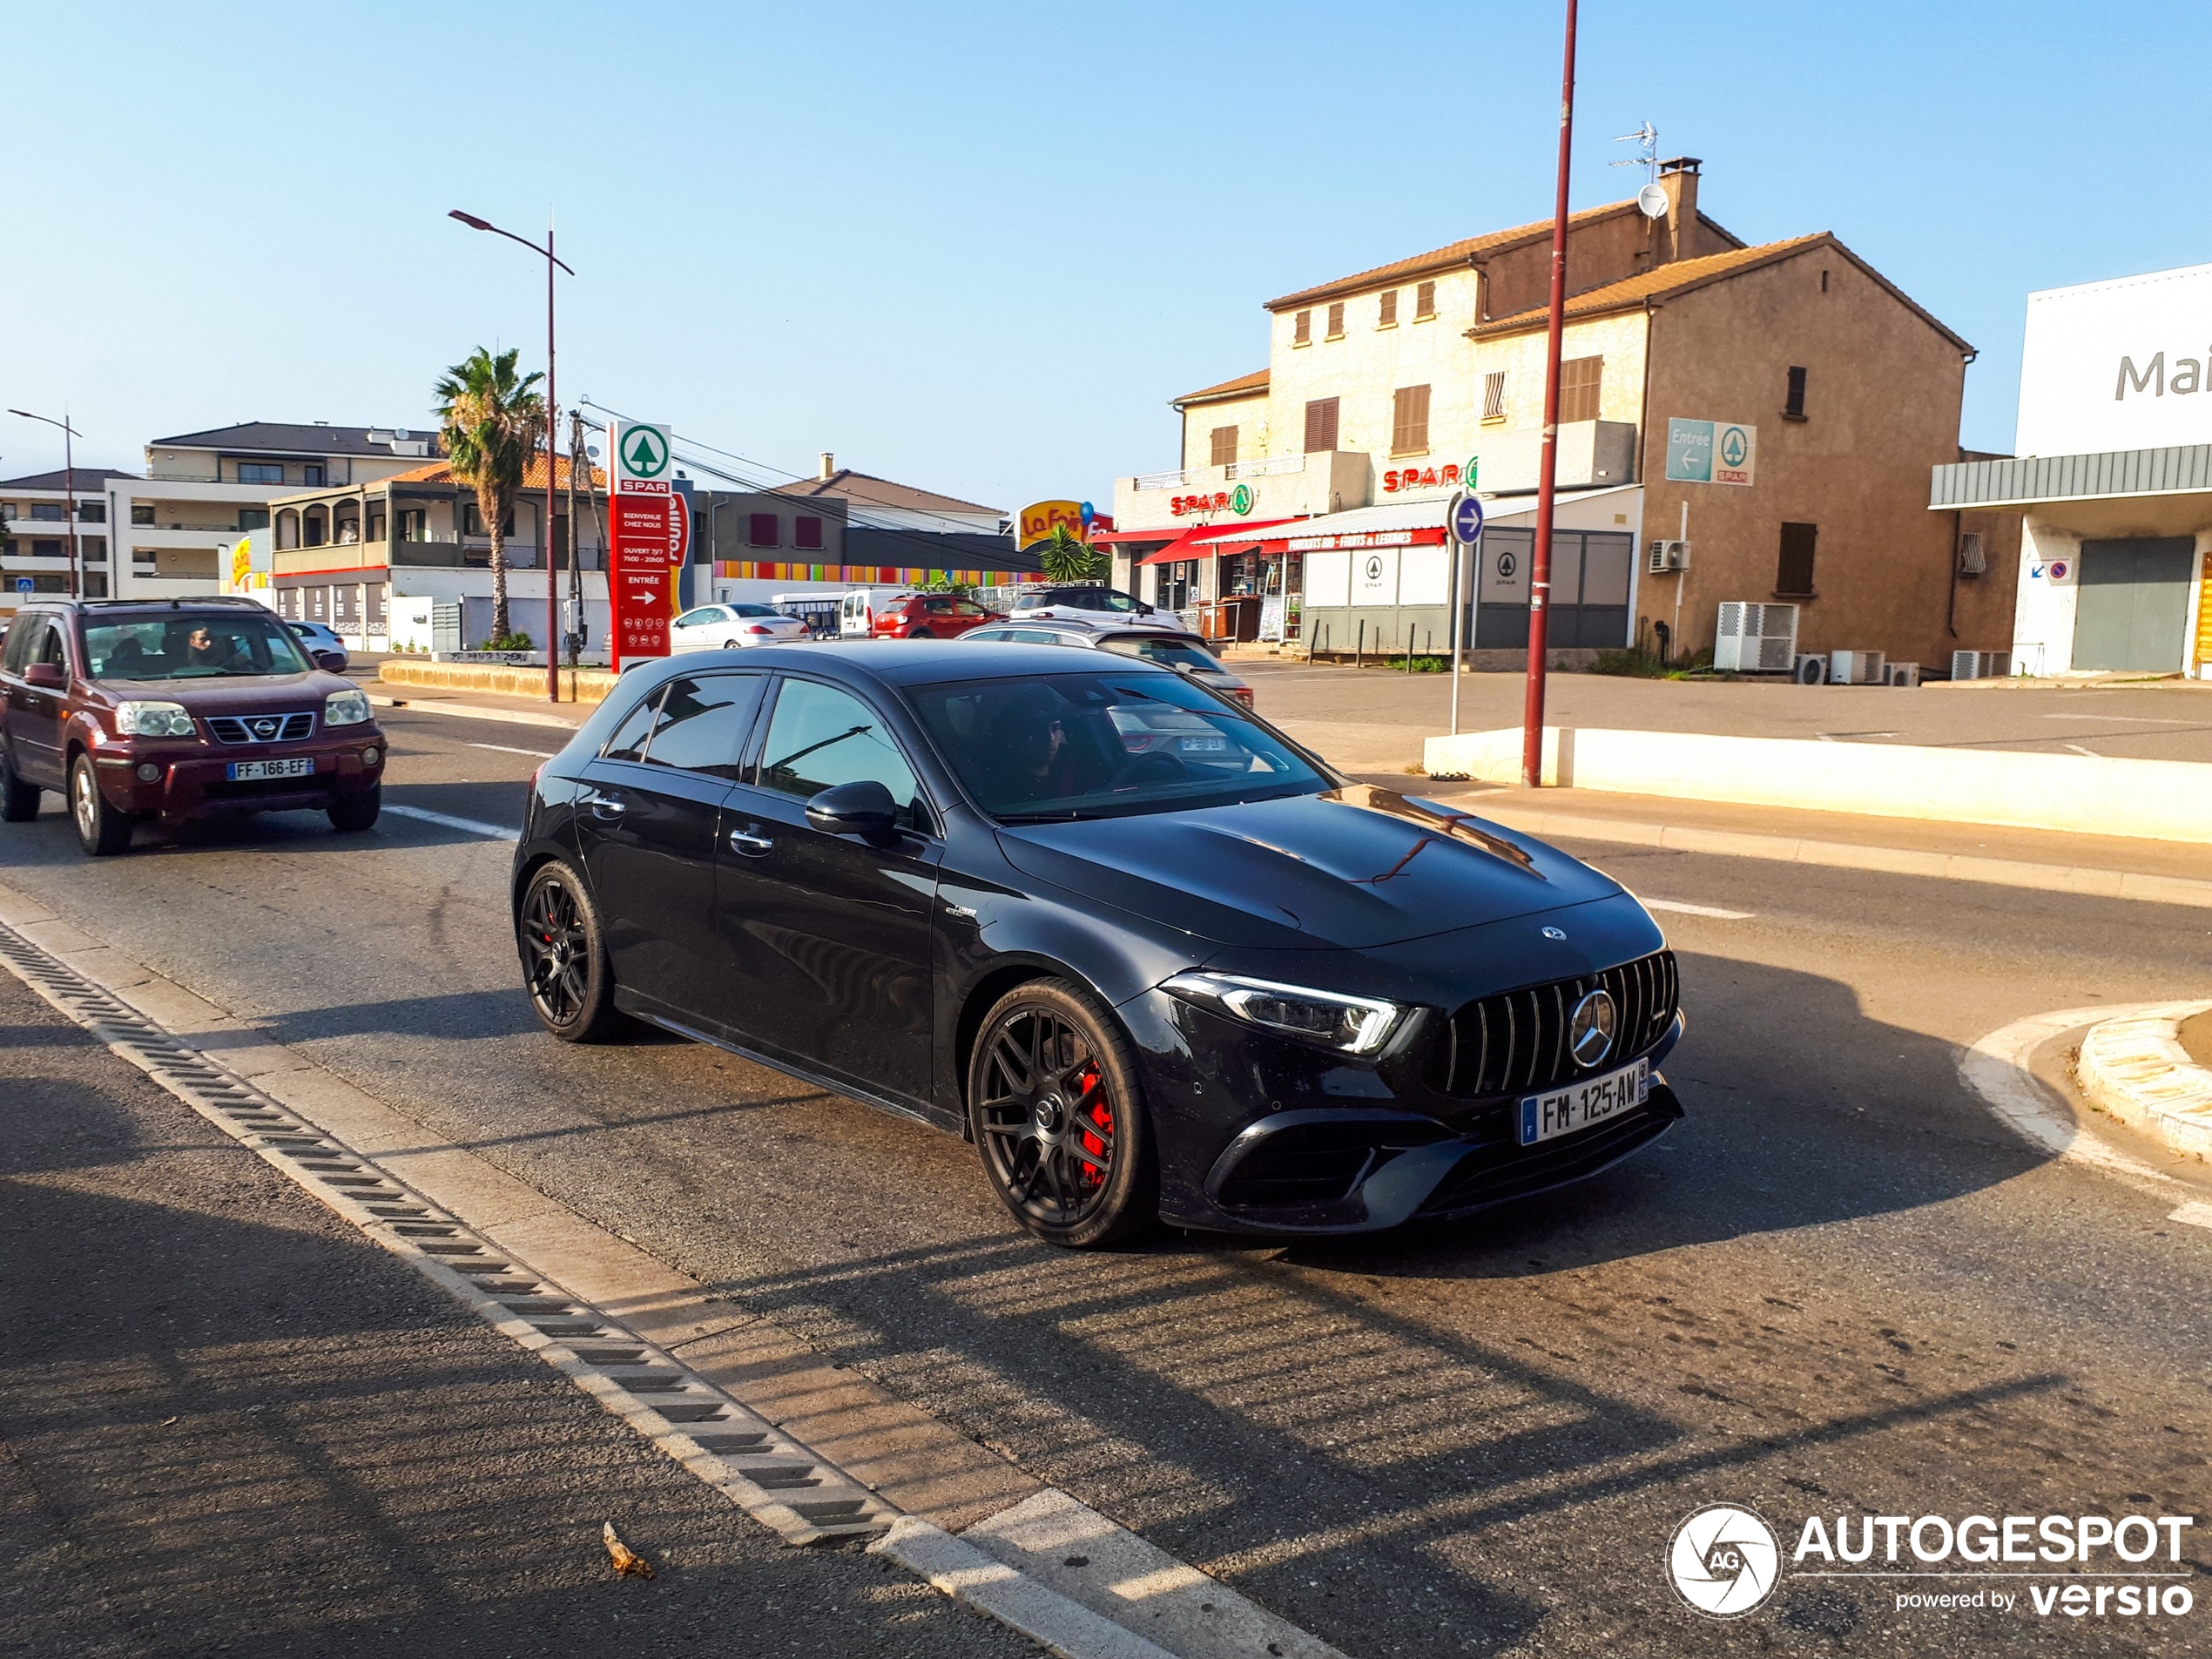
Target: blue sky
[(977, 247)]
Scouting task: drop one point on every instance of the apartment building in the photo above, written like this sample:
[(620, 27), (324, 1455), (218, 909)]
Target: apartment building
[(1835, 393), (34, 523)]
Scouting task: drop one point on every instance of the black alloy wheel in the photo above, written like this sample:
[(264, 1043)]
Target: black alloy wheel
[(18, 799), (351, 814), (101, 830), (564, 963), (1056, 1113)]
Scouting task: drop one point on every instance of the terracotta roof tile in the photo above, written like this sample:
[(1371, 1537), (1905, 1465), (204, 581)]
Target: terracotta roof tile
[(1242, 386), (1448, 258), (441, 472)]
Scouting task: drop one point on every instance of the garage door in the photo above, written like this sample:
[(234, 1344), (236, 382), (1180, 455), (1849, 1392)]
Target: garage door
[(2131, 611)]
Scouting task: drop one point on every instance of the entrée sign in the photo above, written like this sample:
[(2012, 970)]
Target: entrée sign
[(650, 525)]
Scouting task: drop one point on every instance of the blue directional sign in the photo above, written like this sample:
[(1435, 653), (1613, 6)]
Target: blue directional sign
[(22, 586), (1467, 520)]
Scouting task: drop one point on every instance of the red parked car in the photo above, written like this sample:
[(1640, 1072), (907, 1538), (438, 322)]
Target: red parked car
[(172, 710), (929, 615)]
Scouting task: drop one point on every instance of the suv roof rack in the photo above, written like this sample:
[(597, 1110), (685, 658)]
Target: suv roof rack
[(174, 603)]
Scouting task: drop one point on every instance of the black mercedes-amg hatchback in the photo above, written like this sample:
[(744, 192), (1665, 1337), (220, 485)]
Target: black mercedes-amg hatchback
[(1150, 955)]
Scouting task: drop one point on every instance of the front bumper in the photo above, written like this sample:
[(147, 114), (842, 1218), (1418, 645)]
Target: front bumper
[(193, 780), (1342, 1146)]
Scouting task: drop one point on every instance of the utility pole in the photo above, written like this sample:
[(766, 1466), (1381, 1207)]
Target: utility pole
[(69, 495), (1540, 576), (552, 415)]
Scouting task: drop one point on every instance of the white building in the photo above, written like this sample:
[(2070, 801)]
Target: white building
[(2113, 476), (34, 534)]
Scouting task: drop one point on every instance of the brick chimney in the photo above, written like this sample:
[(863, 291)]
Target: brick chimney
[(1677, 236), (829, 465)]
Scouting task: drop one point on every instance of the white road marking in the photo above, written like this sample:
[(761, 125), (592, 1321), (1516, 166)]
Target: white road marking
[(2125, 719), (2079, 749), (2193, 1215), (501, 748), (1698, 909), (497, 832)]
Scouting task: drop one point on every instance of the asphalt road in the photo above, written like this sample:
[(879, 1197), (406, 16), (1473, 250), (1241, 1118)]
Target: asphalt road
[(1839, 1287)]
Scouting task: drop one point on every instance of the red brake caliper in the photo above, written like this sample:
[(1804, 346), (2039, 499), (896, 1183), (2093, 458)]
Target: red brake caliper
[(1102, 1115)]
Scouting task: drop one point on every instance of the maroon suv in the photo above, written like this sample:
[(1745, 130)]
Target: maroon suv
[(135, 710)]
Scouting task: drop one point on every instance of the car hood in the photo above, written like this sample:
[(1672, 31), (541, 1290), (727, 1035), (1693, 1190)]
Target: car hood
[(259, 694), (1357, 867)]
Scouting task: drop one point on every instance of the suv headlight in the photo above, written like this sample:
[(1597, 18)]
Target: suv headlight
[(1353, 1024), (346, 708), (152, 720)]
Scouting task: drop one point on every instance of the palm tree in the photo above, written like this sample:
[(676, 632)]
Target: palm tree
[(1066, 557), (491, 423)]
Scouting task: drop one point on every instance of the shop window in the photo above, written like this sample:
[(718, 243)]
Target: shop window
[(1424, 301), (807, 532), (260, 472), (760, 530), (1409, 420), (1793, 401), (1320, 425), (1493, 396), (1336, 321), (1387, 311), (1793, 574), (1301, 329), (1580, 381), (1224, 446), (142, 513)]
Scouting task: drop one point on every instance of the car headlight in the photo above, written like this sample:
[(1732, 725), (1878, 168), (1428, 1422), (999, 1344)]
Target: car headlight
[(1353, 1024), (152, 720), (345, 708)]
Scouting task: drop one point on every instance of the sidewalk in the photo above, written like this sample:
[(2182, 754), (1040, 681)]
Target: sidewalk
[(228, 1425)]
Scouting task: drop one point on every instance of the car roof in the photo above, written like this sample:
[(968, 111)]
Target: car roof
[(925, 661), (1094, 631)]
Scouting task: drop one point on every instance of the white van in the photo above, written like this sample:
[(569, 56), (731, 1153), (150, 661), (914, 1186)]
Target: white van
[(856, 612)]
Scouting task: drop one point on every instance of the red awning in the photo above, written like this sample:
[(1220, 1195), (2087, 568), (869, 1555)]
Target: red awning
[(1203, 541)]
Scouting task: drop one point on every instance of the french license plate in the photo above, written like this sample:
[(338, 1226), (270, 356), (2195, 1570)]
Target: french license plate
[(1581, 1105), (1202, 746), (243, 770)]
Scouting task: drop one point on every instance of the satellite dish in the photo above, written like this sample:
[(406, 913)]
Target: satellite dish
[(1651, 201)]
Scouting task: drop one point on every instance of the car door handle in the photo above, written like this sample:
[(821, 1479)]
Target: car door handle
[(749, 844), (606, 805)]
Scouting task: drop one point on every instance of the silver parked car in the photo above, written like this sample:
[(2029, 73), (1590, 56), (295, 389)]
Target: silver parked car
[(1153, 643), (733, 625)]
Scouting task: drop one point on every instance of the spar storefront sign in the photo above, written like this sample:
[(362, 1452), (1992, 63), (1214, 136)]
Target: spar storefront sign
[(650, 531), (1239, 500)]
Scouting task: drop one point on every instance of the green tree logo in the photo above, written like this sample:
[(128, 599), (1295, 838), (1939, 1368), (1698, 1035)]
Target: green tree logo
[(643, 454), (1240, 499)]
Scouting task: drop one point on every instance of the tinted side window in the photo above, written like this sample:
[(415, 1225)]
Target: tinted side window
[(820, 737), (17, 657), (50, 648), (702, 723), (628, 740)]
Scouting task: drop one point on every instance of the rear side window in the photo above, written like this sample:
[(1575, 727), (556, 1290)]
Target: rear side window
[(820, 737), (701, 724), (628, 740), (17, 657)]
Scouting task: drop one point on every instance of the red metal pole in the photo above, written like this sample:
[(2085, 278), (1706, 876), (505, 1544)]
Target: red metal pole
[(545, 530), (69, 495), (1540, 575)]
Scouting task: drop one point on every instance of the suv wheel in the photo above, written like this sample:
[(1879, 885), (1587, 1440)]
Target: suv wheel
[(18, 800), (1055, 1110), (101, 830), (349, 813)]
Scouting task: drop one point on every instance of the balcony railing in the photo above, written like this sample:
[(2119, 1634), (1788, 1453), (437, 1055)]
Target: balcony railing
[(1176, 480), (1265, 467)]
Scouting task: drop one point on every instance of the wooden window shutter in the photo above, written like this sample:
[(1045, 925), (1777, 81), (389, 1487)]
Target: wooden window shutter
[(1387, 315), (1793, 573), (1336, 318), (807, 532), (760, 530), (1425, 300), (1320, 426), (1409, 420), (1580, 382), (1224, 446), (1302, 332)]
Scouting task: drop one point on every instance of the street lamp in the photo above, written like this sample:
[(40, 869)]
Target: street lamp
[(69, 487), (552, 410)]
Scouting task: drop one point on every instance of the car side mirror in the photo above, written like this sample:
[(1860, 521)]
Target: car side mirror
[(47, 677), (863, 808), (330, 662)]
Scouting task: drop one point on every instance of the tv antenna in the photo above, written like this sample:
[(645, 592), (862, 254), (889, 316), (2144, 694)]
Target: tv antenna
[(1646, 138)]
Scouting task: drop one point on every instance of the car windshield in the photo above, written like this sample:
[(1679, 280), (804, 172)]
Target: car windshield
[(1177, 651), (754, 610), (182, 647), (1081, 598), (1048, 747)]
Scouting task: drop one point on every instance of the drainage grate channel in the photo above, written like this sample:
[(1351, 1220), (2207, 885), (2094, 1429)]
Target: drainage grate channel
[(737, 1452)]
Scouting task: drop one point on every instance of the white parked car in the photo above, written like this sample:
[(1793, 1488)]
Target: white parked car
[(1092, 603), (315, 637), (732, 626)]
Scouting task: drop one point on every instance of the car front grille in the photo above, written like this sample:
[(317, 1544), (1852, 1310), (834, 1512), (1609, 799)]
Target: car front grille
[(261, 728), (1516, 1042)]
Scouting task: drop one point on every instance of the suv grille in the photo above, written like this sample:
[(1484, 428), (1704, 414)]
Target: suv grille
[(261, 728), (1515, 1043)]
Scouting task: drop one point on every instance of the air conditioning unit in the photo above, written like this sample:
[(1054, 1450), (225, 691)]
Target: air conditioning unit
[(1668, 558), (1755, 638), (1906, 675), (1973, 561), (1981, 664), (1855, 668), (1812, 669)]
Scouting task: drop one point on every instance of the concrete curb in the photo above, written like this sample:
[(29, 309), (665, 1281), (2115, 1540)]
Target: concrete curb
[(2135, 1068), (1848, 855), (470, 710)]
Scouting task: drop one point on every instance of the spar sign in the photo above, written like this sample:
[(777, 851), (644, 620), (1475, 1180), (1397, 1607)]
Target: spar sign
[(650, 530)]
